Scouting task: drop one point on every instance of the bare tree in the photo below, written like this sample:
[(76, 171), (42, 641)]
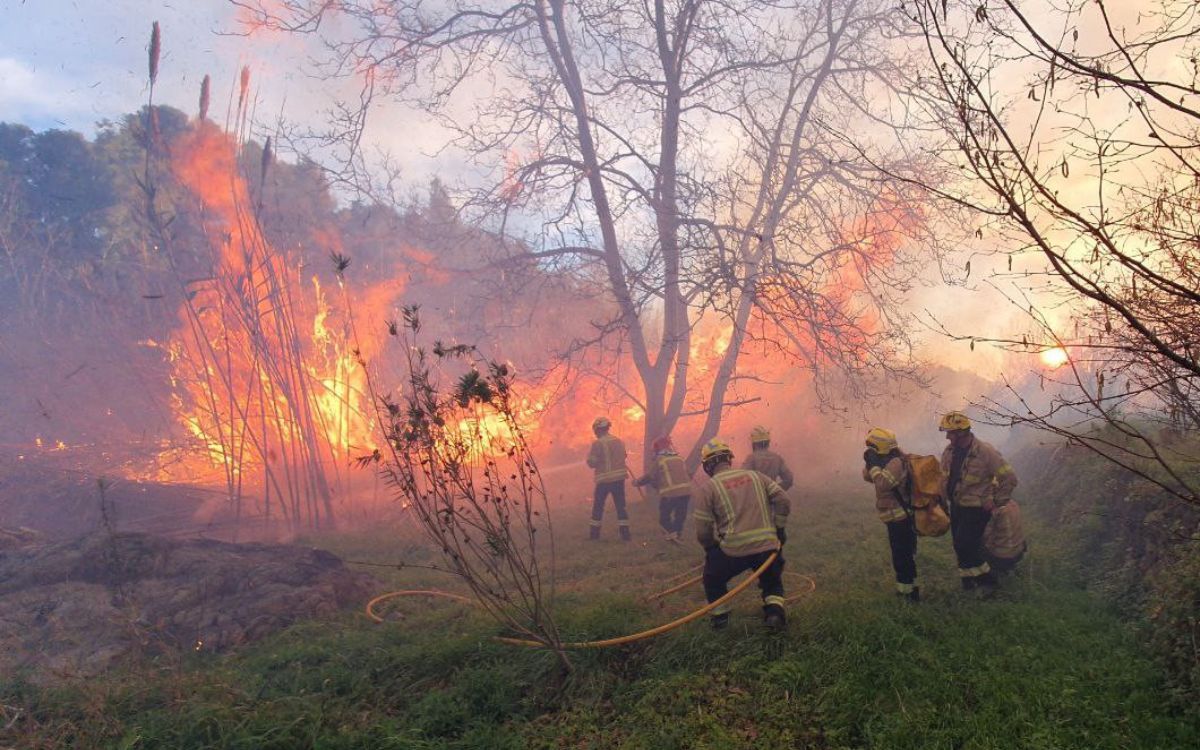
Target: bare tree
[(693, 160), (1077, 126)]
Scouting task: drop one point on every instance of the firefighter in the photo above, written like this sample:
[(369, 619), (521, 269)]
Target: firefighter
[(766, 461), (885, 468), (741, 519), (978, 480), (607, 459), (669, 476)]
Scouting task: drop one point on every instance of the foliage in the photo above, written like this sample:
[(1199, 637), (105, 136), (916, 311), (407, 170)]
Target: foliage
[(1133, 544), (458, 460)]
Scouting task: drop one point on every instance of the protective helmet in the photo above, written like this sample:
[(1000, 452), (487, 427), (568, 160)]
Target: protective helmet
[(881, 441), (954, 420), (601, 423), (715, 449), (760, 434), (661, 443)]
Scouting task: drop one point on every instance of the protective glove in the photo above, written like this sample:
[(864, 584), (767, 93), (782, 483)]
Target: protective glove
[(782, 534)]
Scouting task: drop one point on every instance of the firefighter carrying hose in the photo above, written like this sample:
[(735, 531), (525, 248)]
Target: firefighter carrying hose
[(607, 459), (978, 480), (741, 519), (885, 468), (766, 461), (669, 475)]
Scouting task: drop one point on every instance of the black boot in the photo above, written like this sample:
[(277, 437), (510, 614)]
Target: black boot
[(969, 583), (914, 596), (721, 621), (774, 617), (593, 533), (624, 530)]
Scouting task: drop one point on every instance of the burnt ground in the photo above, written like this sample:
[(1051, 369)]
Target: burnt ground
[(72, 608), (82, 587)]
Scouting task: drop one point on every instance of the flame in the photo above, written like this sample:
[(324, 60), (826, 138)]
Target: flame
[(268, 370)]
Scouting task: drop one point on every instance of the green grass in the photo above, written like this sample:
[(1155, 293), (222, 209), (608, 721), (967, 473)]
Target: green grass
[(1044, 665)]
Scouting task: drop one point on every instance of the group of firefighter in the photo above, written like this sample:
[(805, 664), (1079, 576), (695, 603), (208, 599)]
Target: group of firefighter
[(741, 513)]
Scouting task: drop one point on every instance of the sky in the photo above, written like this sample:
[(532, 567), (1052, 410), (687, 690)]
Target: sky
[(73, 63)]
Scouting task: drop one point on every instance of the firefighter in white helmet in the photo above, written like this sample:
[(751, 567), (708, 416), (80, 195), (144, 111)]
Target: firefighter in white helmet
[(978, 480), (741, 519), (885, 468), (766, 461), (607, 459)]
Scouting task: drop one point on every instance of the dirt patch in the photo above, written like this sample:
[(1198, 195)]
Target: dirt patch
[(73, 608)]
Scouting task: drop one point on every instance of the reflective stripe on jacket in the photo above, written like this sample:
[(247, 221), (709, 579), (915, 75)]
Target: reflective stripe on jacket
[(669, 476), (607, 459), (740, 510), (770, 463), (887, 479), (985, 476)]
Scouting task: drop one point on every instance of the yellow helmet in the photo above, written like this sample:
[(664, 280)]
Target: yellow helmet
[(713, 449), (760, 434), (601, 423), (954, 420), (881, 441)]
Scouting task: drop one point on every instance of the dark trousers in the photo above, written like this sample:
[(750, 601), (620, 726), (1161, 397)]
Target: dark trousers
[(617, 490), (966, 526), (672, 512), (902, 536), (720, 567)]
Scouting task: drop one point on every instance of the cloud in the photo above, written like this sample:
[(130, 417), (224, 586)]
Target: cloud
[(30, 95)]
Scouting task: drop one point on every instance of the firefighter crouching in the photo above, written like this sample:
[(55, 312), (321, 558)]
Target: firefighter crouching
[(741, 518), (669, 476), (607, 459), (885, 468), (766, 461), (978, 480)]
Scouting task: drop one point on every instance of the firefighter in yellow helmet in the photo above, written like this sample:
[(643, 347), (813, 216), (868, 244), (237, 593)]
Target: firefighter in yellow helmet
[(978, 480), (669, 476), (607, 459), (766, 461), (741, 519), (886, 469)]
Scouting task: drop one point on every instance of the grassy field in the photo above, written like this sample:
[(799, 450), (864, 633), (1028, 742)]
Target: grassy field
[(1043, 665)]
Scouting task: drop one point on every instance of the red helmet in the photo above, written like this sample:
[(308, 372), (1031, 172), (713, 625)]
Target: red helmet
[(661, 443)]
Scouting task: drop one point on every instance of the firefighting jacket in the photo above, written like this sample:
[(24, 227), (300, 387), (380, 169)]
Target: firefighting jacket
[(607, 459), (770, 463), (668, 475), (740, 509), (985, 477), (888, 479)]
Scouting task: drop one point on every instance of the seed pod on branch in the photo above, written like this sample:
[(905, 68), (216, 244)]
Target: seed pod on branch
[(155, 50), (204, 95)]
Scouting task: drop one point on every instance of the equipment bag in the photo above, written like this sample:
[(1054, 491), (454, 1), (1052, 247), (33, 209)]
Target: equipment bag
[(926, 505), (1004, 536)]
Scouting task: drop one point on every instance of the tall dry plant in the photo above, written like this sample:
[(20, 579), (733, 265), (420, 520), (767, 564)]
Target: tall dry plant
[(241, 359)]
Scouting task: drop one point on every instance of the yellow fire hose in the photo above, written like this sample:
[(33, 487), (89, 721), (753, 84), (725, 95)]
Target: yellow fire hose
[(370, 609), (812, 586)]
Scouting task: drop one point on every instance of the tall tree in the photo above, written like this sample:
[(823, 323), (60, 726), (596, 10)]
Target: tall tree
[(693, 159)]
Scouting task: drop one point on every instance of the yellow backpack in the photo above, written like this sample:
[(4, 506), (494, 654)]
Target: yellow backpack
[(925, 502)]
